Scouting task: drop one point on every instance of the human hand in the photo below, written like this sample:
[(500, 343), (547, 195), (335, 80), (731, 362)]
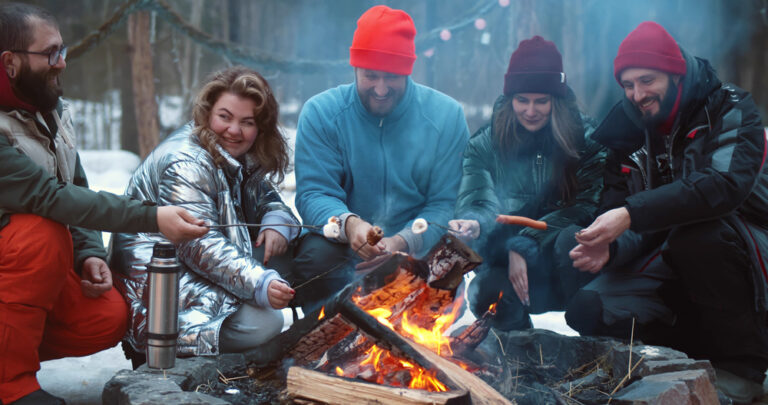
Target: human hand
[(357, 234), (279, 294), (468, 229), (605, 229), (178, 225), (96, 278), (591, 259), (275, 244), (394, 243), (518, 276)]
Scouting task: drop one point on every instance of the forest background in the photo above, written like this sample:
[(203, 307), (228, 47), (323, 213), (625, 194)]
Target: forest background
[(135, 65)]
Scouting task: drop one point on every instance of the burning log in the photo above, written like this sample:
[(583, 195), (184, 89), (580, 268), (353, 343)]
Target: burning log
[(315, 343), (474, 334), (448, 261), (303, 383)]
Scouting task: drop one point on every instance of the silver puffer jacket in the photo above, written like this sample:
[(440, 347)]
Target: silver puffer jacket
[(219, 272)]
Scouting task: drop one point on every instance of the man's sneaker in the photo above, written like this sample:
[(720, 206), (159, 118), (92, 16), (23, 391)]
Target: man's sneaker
[(739, 389), (39, 397)]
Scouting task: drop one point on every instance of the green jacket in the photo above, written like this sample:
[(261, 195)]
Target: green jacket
[(41, 174), (523, 185)]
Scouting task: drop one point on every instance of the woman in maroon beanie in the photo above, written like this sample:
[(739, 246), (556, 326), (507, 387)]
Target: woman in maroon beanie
[(533, 159)]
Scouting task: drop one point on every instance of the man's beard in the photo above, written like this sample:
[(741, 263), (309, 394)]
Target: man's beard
[(36, 88), (665, 107)]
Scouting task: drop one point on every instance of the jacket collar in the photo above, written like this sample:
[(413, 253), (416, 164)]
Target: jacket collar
[(400, 109), (8, 98)]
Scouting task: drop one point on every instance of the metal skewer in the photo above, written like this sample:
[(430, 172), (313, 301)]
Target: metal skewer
[(258, 225)]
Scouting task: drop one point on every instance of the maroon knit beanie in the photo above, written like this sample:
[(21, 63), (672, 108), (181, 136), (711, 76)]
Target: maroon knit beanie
[(535, 67), (649, 46), (384, 41)]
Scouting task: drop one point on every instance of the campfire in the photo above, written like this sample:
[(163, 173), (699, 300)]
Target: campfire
[(383, 337)]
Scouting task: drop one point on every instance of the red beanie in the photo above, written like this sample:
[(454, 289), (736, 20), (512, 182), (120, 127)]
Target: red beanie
[(649, 46), (383, 41), (535, 67)]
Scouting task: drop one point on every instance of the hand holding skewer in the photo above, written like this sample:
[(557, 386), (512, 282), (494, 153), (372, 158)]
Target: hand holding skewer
[(373, 238), (357, 232)]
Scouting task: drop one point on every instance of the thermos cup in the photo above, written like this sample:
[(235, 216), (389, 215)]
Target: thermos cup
[(163, 318)]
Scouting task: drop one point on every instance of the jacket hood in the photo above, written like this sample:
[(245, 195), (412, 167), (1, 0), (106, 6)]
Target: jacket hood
[(623, 129)]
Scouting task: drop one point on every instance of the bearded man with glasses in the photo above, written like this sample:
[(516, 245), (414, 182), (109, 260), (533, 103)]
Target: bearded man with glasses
[(56, 294)]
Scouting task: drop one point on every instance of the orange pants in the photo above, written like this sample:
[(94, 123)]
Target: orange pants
[(43, 313)]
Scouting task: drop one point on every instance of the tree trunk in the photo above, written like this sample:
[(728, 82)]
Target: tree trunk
[(142, 75)]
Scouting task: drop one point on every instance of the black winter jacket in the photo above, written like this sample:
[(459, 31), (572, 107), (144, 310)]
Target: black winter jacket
[(716, 158)]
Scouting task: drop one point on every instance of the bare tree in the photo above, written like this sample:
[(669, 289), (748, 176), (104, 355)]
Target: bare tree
[(142, 75)]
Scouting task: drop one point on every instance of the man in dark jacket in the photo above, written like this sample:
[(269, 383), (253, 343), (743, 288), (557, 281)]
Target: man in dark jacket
[(682, 248), (56, 294)]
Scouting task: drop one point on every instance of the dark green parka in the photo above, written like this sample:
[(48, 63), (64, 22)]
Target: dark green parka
[(524, 184)]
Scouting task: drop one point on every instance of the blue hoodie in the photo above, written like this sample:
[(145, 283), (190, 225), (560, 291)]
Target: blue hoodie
[(388, 170)]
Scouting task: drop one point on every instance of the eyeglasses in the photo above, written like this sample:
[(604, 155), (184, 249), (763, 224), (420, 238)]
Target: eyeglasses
[(53, 56)]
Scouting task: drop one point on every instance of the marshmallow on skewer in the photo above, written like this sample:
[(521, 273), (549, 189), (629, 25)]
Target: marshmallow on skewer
[(331, 230), (419, 226)]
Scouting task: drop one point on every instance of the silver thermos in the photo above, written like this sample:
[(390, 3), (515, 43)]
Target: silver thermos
[(163, 319)]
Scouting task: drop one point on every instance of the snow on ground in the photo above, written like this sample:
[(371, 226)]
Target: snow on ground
[(80, 380)]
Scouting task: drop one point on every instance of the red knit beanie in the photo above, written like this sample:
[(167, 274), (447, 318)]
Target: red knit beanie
[(383, 41), (535, 67), (649, 46)]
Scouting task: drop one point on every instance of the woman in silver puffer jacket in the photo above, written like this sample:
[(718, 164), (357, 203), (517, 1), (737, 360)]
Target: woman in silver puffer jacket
[(218, 167)]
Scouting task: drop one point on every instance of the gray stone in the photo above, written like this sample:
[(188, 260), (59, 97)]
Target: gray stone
[(188, 372), (665, 392), (651, 367), (124, 378), (139, 392), (619, 357), (699, 384), (181, 398), (226, 363)]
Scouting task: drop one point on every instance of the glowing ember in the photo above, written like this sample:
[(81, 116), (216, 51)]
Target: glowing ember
[(389, 369), (322, 314)]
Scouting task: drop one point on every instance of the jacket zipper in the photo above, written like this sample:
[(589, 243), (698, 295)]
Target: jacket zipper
[(384, 163), (636, 160), (539, 172)]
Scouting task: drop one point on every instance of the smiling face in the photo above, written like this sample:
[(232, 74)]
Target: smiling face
[(234, 122), (37, 82), (532, 110), (380, 92), (648, 90)]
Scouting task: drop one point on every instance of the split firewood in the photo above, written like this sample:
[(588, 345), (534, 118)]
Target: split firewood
[(317, 386), (473, 335), (312, 345)]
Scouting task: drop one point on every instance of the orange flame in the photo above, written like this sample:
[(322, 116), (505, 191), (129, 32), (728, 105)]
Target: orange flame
[(339, 371), (492, 308), (322, 313), (384, 362)]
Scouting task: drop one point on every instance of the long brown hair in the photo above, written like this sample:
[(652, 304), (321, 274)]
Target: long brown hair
[(567, 131), (270, 150)]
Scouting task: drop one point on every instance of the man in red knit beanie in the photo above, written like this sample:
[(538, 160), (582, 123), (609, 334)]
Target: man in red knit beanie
[(683, 246), (381, 151)]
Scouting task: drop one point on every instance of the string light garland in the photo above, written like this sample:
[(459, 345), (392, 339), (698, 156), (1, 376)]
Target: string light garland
[(254, 57)]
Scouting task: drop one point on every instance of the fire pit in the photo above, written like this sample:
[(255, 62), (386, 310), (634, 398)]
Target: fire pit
[(357, 342), (380, 340)]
